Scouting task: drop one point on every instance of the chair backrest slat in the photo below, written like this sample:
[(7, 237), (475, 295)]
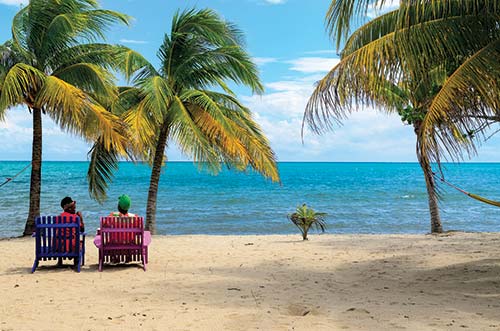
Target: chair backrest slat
[(56, 234), (122, 230)]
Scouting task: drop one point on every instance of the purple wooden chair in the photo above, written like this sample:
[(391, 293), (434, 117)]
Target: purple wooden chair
[(121, 240), (57, 237)]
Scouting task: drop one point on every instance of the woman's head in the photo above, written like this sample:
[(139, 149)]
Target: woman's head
[(123, 203)]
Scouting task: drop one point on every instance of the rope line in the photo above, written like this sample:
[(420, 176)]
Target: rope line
[(9, 179), (472, 195)]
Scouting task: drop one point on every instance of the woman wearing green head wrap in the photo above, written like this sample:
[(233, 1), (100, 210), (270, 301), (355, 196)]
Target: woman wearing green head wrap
[(123, 207)]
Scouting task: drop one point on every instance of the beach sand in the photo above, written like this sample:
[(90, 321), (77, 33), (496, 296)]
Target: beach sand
[(331, 282)]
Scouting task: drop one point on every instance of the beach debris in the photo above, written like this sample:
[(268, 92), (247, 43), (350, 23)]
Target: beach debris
[(234, 289), (299, 310), (361, 310), (248, 244)]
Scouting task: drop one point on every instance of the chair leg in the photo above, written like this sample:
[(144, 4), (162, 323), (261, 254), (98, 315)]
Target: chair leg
[(59, 262), (35, 265), (79, 265), (83, 253), (143, 257), (101, 259)]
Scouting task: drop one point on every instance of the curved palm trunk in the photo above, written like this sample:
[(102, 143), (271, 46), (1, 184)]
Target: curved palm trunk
[(423, 160), (436, 226), (155, 179), (36, 172)]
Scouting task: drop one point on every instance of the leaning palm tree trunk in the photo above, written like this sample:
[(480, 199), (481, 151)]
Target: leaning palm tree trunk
[(436, 226), (155, 179), (36, 172), (423, 160)]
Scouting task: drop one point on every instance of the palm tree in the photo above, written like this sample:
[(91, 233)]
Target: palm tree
[(448, 88), (304, 218), (54, 67), (187, 101)]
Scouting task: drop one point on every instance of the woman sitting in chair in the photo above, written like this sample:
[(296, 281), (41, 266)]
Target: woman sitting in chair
[(123, 207)]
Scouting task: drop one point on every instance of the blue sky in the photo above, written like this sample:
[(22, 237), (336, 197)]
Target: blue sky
[(287, 39)]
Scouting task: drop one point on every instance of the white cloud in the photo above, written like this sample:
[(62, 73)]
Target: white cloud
[(16, 135), (313, 64), (367, 135), (264, 60), (132, 41), (14, 2), (292, 86), (376, 9)]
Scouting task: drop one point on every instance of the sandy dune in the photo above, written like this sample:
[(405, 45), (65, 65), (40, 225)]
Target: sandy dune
[(332, 282)]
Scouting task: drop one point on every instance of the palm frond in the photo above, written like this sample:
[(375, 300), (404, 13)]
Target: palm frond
[(103, 164), (261, 157), (376, 54), (19, 33), (90, 78), (460, 112), (230, 129), (202, 49), (133, 64), (142, 125), (20, 85), (340, 14), (156, 96), (47, 28), (76, 112), (190, 138), (343, 14)]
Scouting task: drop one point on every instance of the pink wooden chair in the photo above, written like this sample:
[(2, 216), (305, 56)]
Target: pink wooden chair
[(121, 240)]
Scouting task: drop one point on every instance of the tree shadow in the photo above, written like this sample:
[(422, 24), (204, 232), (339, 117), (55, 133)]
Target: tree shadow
[(404, 286)]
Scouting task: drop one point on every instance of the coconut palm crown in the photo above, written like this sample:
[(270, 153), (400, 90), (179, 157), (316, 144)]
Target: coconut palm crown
[(54, 66), (435, 63), (188, 101), (448, 50)]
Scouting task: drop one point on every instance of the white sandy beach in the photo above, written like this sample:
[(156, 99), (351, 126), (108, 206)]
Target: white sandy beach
[(331, 282)]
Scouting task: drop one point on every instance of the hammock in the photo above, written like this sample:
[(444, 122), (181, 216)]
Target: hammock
[(9, 179), (472, 195)]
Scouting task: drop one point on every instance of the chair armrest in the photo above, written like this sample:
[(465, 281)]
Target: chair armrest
[(98, 241), (147, 238)]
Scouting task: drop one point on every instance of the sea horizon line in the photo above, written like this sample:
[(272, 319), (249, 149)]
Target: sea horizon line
[(357, 162)]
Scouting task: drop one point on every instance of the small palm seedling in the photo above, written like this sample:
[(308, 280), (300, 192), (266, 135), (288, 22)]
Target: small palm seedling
[(305, 217)]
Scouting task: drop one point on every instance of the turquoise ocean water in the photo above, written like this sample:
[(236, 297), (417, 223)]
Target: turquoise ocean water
[(358, 197)]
